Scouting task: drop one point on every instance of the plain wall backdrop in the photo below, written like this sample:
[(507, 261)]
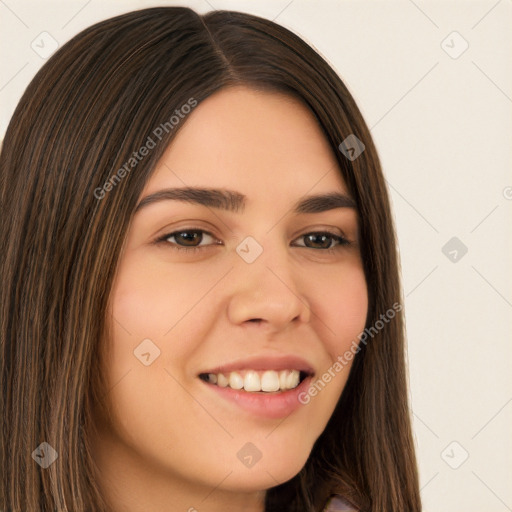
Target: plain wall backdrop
[(434, 83)]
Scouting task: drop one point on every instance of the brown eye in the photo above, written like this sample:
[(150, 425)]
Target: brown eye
[(187, 239), (324, 239)]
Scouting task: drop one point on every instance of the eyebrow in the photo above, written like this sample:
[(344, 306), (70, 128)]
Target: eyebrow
[(235, 202)]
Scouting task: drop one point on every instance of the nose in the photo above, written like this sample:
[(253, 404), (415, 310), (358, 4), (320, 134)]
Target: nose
[(267, 291)]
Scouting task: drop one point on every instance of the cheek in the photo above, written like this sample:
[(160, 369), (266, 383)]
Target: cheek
[(169, 308), (150, 303), (343, 305), (150, 300)]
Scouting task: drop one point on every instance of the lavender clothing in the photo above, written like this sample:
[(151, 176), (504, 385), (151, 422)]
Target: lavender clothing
[(338, 504)]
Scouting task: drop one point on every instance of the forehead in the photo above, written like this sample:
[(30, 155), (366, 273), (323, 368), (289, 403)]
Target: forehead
[(252, 141)]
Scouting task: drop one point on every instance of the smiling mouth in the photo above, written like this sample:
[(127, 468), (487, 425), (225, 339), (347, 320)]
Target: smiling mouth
[(253, 381)]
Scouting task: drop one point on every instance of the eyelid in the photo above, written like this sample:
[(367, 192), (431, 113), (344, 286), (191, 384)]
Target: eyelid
[(342, 240), (166, 236)]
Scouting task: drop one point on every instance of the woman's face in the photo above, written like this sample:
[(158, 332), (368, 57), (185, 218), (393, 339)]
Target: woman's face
[(265, 297)]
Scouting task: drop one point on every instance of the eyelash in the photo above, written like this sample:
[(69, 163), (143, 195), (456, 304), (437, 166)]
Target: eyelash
[(164, 239)]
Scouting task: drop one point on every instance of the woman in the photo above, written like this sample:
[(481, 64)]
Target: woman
[(201, 305)]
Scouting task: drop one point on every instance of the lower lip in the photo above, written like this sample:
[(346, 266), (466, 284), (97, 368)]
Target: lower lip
[(267, 405)]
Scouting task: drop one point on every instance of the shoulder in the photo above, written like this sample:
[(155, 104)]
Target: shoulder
[(338, 504)]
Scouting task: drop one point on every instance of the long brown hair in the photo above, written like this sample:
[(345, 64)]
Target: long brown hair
[(90, 107)]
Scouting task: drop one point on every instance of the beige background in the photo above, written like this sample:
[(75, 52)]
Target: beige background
[(443, 129)]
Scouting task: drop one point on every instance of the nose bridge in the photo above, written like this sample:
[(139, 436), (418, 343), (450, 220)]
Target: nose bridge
[(266, 283)]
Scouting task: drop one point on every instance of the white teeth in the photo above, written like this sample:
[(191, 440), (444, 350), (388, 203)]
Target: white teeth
[(235, 381), (283, 379), (253, 381), (270, 381), (222, 381), (293, 380)]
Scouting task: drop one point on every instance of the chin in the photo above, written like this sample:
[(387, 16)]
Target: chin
[(266, 474)]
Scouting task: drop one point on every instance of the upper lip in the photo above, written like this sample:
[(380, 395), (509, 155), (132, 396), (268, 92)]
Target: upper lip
[(277, 363)]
